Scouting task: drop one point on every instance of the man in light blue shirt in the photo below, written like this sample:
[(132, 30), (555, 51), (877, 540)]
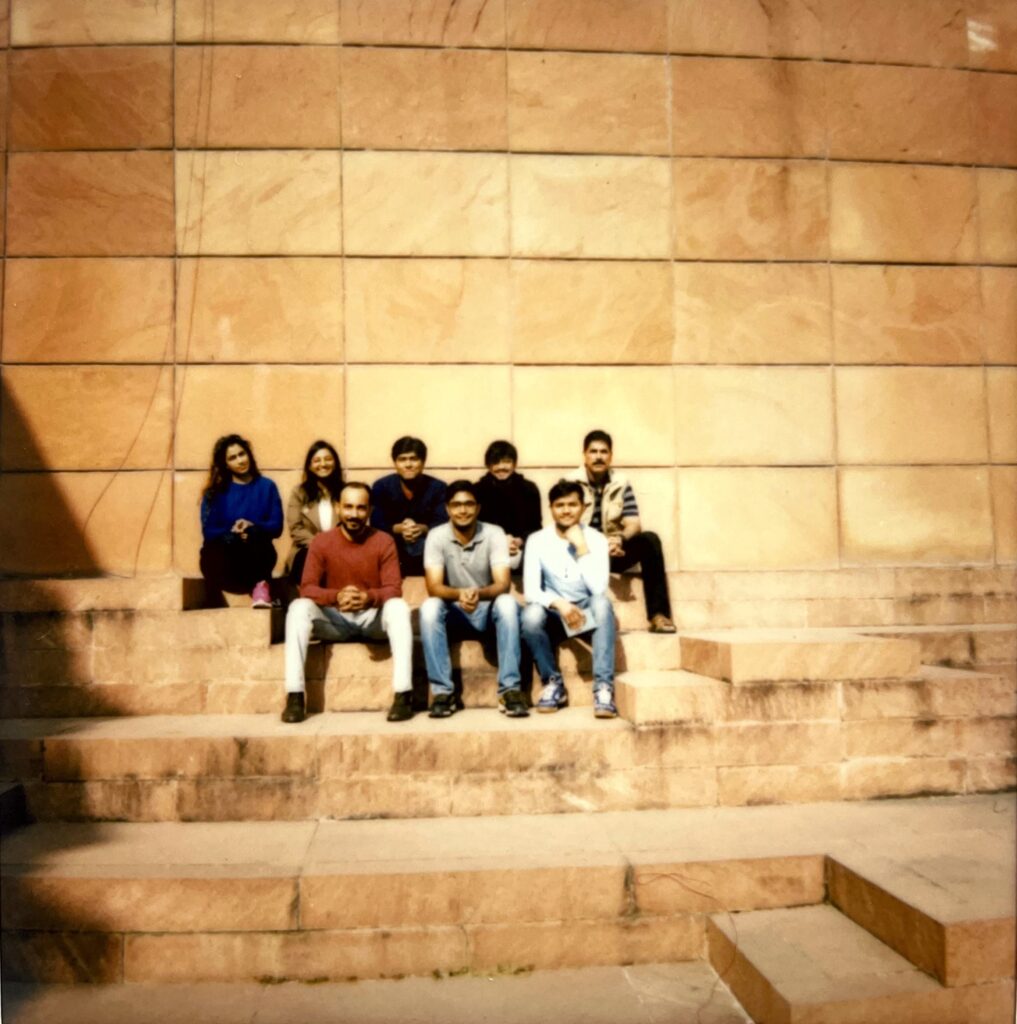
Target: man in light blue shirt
[(565, 574), (466, 568)]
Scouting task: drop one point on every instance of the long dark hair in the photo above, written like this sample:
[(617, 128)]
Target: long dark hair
[(219, 475), (314, 486)]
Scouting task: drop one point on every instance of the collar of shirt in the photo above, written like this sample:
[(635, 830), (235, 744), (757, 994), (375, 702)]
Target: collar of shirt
[(473, 541)]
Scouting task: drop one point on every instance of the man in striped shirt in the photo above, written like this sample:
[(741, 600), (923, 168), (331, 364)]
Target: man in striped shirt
[(611, 508)]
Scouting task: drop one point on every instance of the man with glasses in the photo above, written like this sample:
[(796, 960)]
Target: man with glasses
[(466, 569)]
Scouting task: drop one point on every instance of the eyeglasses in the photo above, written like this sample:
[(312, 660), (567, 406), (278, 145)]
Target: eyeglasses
[(462, 504)]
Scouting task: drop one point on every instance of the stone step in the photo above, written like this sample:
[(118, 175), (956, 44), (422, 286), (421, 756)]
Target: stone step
[(649, 698), (688, 992), (91, 593), (237, 767), (365, 899), (244, 678), (813, 965), (957, 646), (758, 655), (947, 906), (172, 902)]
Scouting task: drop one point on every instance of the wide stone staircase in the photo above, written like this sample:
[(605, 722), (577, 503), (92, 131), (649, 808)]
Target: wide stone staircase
[(176, 831)]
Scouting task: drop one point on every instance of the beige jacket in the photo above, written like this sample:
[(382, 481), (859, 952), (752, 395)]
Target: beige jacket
[(303, 521), (611, 504)]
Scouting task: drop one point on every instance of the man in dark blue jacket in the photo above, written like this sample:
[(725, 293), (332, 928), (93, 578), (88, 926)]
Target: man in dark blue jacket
[(408, 502)]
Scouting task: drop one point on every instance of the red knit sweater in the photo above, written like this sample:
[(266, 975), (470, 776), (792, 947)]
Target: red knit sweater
[(333, 562)]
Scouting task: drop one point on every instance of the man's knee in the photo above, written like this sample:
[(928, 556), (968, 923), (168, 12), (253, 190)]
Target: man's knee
[(506, 607), (600, 605), (651, 540), (533, 618), (301, 611), (432, 611), (396, 612)]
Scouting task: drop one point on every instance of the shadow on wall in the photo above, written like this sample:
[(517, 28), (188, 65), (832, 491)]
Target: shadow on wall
[(45, 671), (41, 530)]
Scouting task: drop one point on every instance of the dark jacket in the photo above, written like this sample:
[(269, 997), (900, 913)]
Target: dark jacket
[(390, 506), (512, 504)]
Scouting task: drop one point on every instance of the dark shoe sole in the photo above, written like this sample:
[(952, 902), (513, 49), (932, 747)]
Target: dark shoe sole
[(604, 713), (446, 712)]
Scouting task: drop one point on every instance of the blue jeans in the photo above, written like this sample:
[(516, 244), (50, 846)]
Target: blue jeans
[(543, 630), (438, 618)]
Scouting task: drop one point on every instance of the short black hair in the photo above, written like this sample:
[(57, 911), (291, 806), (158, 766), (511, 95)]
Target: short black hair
[(498, 450), (598, 435), (357, 485), (563, 488), (458, 486), (409, 446)]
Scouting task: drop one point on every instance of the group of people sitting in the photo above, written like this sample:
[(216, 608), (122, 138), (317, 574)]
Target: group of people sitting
[(353, 544)]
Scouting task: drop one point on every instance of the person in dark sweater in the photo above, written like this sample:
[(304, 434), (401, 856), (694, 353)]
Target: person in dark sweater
[(408, 502), (241, 515), (507, 499)]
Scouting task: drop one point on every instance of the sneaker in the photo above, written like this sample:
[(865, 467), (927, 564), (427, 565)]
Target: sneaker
[(443, 706), (553, 696), (260, 596), (294, 710), (511, 703), (603, 702), (662, 624), (402, 707)]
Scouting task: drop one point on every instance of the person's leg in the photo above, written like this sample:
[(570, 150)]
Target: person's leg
[(603, 641), (534, 625), (505, 615), (301, 617), (238, 565), (212, 561), (644, 549), (434, 639), (395, 623), (297, 569)]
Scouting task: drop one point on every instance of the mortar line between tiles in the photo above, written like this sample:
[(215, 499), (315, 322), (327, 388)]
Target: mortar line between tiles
[(519, 257)]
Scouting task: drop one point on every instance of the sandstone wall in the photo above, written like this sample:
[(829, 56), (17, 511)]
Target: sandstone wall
[(771, 247)]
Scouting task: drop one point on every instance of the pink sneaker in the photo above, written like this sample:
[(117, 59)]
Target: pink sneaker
[(260, 596)]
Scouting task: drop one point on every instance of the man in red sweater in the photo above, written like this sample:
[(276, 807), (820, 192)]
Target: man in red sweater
[(351, 589)]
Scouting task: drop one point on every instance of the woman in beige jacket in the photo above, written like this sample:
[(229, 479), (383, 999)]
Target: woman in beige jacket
[(313, 504)]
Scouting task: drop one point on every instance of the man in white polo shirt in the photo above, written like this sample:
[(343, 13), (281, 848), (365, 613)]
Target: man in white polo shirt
[(565, 574), (466, 569)]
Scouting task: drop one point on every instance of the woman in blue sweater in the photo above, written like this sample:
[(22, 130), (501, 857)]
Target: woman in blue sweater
[(241, 514)]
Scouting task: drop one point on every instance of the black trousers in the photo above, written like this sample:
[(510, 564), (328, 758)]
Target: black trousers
[(644, 550), (235, 565), (297, 569)]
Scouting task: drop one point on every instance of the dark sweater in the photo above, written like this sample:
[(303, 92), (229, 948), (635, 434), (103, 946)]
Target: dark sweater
[(389, 506), (512, 504)]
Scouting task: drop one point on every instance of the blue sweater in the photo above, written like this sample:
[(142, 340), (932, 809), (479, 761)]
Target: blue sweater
[(257, 501)]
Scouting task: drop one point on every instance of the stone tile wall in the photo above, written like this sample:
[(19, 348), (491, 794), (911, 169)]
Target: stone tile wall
[(771, 247)]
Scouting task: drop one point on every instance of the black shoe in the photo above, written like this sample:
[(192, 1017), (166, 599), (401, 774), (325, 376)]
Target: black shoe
[(443, 706), (294, 710), (511, 704), (402, 707)]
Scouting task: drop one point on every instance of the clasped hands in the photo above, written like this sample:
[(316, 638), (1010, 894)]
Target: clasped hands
[(351, 599), (469, 598), (240, 527), (411, 531)]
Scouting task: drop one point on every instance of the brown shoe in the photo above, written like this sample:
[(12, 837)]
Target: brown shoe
[(662, 624)]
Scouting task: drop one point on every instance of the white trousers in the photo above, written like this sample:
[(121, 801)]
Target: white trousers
[(305, 619)]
